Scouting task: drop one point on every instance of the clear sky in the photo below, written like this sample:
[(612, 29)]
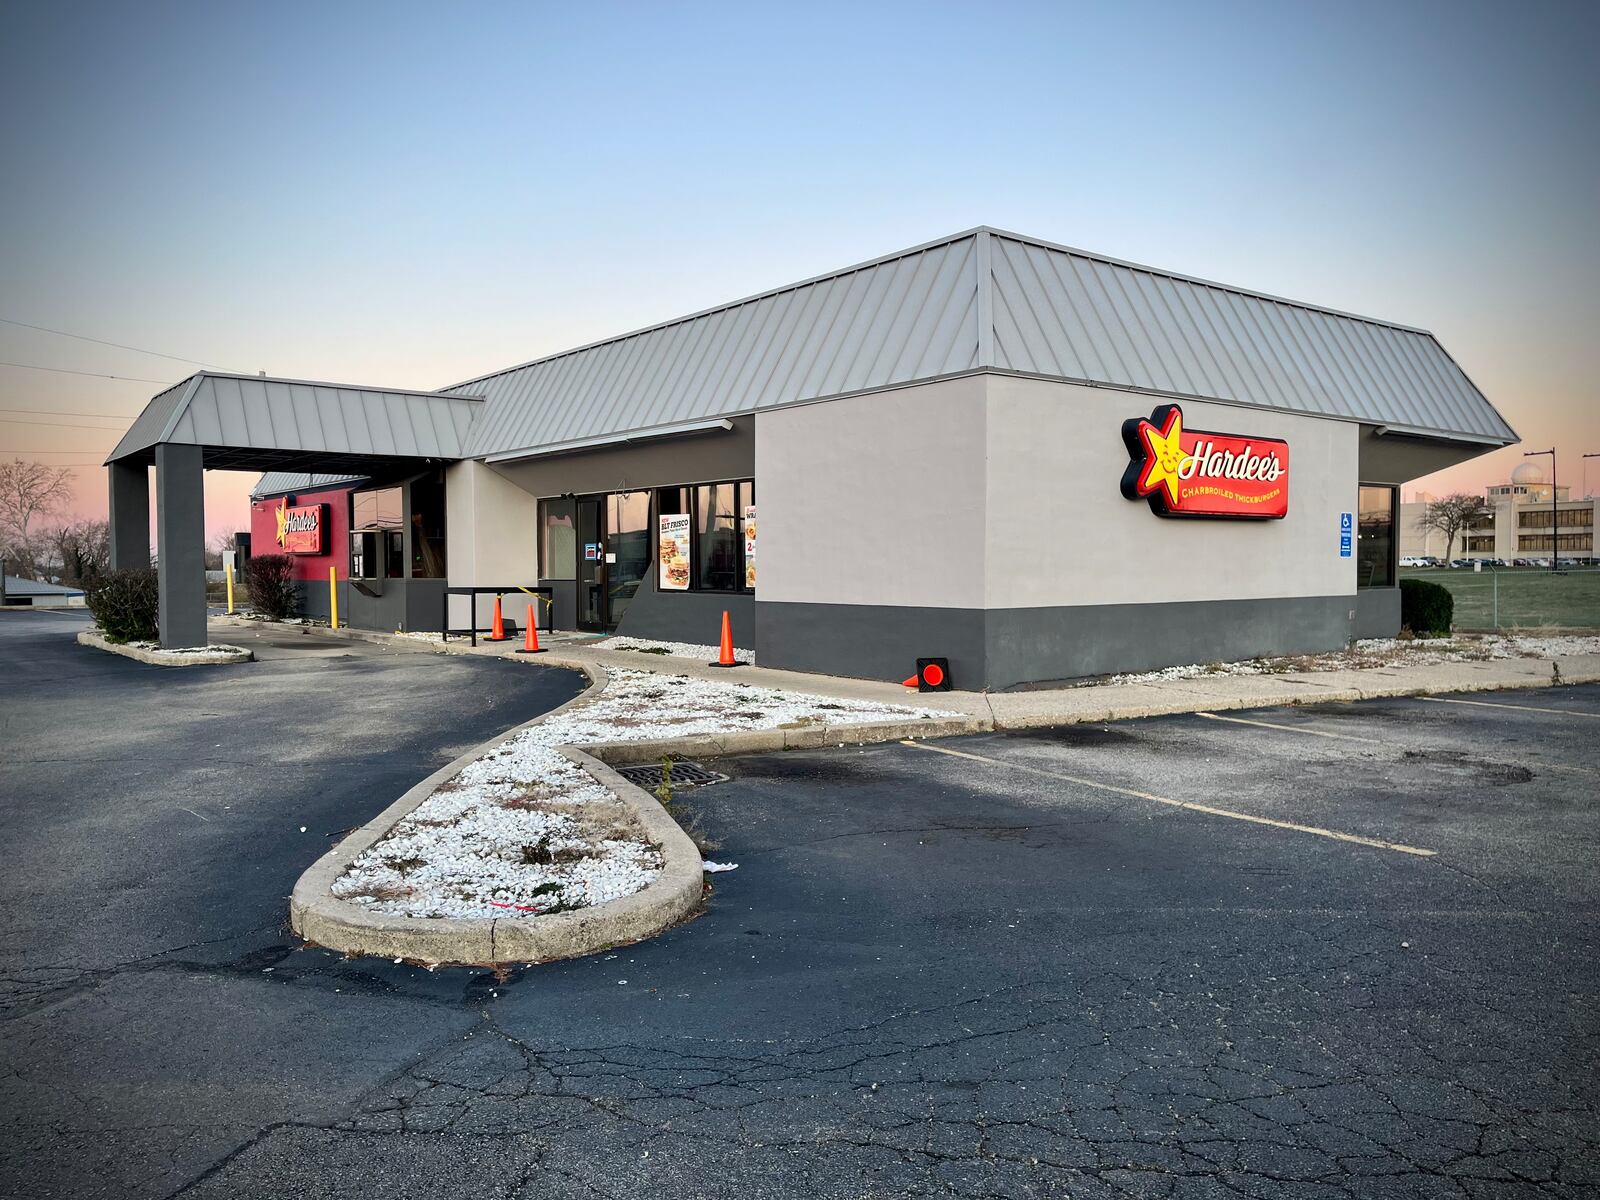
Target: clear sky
[(414, 194)]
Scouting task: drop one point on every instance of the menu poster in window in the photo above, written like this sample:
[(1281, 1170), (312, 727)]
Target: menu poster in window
[(750, 546), (673, 540)]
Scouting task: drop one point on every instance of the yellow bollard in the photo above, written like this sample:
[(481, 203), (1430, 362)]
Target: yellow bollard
[(227, 572), (333, 595)]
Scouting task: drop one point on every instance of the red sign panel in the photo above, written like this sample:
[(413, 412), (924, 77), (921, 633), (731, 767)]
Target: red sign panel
[(1198, 473), (300, 529)]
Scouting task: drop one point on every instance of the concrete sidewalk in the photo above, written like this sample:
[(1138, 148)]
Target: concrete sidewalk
[(1051, 706)]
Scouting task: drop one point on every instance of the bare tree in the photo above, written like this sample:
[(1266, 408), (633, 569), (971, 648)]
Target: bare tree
[(29, 491), (215, 549), (1451, 515), (84, 551)]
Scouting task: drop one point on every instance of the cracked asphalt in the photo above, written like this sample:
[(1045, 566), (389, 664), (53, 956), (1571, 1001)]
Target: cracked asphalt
[(1012, 974)]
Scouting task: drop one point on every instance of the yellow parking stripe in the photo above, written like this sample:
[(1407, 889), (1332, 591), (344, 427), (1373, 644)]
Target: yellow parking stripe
[(1560, 712), (1212, 810)]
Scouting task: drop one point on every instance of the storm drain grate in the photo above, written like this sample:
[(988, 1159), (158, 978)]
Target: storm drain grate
[(684, 775)]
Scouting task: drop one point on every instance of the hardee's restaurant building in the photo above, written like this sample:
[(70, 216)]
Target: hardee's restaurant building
[(1039, 463)]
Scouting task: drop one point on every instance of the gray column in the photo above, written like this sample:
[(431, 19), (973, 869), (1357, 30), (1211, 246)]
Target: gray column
[(130, 516), (181, 545)]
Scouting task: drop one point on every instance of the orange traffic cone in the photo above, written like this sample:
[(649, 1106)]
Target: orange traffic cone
[(531, 645), (725, 656), (497, 628)]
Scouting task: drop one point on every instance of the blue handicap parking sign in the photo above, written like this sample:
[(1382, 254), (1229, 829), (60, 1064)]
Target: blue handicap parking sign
[(1347, 524)]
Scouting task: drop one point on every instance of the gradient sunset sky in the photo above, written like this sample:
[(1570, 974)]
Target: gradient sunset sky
[(410, 195)]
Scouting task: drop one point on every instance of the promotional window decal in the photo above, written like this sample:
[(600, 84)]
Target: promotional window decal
[(300, 529), (673, 552), (750, 546), (1200, 473)]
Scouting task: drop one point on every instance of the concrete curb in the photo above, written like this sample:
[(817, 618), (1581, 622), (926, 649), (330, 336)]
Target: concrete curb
[(320, 917), (89, 637)]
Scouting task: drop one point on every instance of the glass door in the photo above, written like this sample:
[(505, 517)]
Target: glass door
[(591, 564), (627, 550)]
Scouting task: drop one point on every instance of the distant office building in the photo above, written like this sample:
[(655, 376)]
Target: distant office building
[(1528, 517)]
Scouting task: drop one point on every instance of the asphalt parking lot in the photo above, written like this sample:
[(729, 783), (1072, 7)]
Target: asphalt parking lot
[(1329, 951)]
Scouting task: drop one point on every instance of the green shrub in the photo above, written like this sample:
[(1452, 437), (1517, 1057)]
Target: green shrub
[(1426, 608), (267, 577), (125, 604)]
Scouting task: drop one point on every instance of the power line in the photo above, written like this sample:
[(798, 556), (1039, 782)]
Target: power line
[(118, 345), (59, 424), (90, 374), (60, 412)]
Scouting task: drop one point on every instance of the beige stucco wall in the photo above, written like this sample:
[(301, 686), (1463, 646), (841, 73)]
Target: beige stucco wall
[(1060, 531), (1000, 492), (491, 524), (876, 499)]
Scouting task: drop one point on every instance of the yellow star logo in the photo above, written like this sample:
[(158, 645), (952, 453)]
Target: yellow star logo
[(1164, 454), (283, 522)]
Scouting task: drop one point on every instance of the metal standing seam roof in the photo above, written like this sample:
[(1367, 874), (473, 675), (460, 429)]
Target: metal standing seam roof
[(238, 418), (274, 482), (985, 299), (21, 586)]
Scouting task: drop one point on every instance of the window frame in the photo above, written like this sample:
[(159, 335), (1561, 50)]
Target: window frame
[(1393, 566), (744, 494)]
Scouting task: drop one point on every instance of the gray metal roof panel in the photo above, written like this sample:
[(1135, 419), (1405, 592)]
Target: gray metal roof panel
[(897, 319), (1056, 312), (274, 483), (1065, 313), (156, 416), (20, 585), (254, 412)]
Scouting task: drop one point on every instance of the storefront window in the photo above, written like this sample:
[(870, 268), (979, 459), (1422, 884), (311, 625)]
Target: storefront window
[(717, 538), (427, 527), (558, 540), (1375, 540)]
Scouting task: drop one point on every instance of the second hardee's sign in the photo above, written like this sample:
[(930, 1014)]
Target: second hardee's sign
[(1198, 473), (300, 529)]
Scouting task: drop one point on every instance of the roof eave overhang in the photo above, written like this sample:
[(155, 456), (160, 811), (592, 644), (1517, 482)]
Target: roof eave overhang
[(660, 433)]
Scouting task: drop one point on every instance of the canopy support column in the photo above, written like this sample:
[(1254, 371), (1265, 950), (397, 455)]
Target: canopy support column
[(181, 545), (130, 516)]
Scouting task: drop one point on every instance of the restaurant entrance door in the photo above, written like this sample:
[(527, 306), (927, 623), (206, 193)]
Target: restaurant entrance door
[(613, 556)]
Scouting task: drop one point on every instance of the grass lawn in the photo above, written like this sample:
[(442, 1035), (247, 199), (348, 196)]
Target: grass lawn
[(1529, 597)]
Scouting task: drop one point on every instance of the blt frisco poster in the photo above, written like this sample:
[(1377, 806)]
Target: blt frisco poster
[(673, 540)]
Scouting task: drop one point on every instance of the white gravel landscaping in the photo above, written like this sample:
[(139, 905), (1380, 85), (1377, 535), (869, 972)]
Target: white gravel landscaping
[(523, 830), (706, 654), (218, 650), (1384, 652)]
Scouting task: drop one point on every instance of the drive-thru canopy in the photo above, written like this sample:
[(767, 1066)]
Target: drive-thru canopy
[(213, 421)]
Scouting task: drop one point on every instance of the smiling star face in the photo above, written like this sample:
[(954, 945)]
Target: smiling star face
[(1166, 455)]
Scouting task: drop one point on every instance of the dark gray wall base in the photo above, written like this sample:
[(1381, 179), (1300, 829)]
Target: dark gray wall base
[(688, 616), (413, 605), (871, 641), (1377, 612), (1008, 648), (1034, 645)]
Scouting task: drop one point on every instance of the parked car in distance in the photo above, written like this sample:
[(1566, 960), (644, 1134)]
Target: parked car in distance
[(1416, 560), (1457, 563)]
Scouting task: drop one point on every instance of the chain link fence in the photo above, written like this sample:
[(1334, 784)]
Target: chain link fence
[(1507, 598)]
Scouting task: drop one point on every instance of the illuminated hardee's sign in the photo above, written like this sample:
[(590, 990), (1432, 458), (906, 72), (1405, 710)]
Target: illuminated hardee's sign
[(300, 529), (1197, 473)]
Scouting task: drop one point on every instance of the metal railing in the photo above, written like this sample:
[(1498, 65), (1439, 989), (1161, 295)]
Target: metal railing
[(541, 595)]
